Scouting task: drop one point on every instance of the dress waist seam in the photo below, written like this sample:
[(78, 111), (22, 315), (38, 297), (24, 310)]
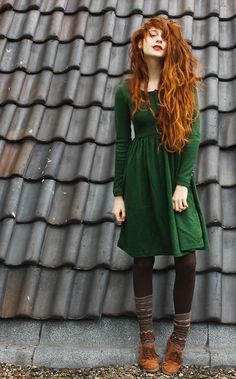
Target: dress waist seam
[(147, 135)]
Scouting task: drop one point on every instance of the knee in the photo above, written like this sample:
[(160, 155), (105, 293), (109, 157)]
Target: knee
[(186, 264), (190, 266), (144, 263)]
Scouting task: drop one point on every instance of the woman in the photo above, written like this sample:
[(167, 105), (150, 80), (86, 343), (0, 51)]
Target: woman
[(155, 193)]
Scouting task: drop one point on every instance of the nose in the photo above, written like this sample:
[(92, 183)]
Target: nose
[(159, 39)]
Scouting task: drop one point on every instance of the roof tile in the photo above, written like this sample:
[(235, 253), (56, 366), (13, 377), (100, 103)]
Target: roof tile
[(60, 62)]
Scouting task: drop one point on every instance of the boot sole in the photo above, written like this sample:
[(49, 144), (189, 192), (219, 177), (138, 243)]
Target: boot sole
[(154, 370), (170, 373)]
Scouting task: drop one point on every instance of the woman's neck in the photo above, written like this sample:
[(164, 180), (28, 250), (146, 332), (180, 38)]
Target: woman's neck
[(154, 71)]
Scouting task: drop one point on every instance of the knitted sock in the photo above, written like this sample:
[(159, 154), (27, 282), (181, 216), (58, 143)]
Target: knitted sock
[(181, 329), (144, 315)]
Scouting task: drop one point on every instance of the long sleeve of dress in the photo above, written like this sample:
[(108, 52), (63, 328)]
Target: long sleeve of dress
[(123, 138), (189, 156)]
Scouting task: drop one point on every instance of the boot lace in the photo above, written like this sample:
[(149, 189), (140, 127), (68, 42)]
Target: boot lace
[(174, 356), (147, 335), (149, 352)]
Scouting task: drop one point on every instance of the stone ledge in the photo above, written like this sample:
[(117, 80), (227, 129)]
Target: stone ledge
[(108, 341)]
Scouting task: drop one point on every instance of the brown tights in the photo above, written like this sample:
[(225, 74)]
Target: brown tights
[(183, 285)]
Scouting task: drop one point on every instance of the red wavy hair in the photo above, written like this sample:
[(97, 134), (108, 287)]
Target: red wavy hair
[(177, 86)]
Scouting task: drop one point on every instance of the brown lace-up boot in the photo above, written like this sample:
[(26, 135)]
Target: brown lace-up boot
[(148, 358), (173, 358)]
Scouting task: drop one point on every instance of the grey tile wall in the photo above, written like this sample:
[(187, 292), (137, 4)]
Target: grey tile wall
[(60, 62)]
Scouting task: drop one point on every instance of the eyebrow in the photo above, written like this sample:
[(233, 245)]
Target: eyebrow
[(154, 30)]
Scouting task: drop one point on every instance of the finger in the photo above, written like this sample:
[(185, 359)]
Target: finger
[(176, 206), (184, 202), (180, 205), (118, 218), (121, 215), (122, 218), (173, 204)]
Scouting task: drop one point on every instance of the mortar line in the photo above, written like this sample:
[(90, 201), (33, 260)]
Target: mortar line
[(38, 343)]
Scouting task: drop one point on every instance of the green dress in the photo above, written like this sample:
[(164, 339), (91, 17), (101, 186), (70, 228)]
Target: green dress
[(147, 179)]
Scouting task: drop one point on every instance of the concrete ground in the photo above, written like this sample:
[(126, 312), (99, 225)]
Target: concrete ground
[(109, 341)]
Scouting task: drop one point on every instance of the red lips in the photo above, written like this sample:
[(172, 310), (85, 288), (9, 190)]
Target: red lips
[(157, 46)]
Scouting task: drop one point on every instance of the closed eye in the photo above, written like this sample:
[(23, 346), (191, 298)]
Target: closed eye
[(152, 35)]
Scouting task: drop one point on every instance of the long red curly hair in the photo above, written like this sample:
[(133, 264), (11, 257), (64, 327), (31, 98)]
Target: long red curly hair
[(177, 86)]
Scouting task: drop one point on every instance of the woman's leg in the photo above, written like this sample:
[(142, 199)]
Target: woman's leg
[(184, 282), (142, 282), (183, 295)]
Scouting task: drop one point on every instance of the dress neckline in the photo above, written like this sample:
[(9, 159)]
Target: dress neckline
[(154, 90)]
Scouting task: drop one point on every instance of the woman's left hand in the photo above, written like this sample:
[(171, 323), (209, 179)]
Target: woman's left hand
[(179, 198)]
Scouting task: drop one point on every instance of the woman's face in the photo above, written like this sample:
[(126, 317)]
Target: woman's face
[(154, 45)]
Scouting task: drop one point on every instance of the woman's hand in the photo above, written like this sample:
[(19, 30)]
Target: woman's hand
[(119, 209), (179, 198)]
